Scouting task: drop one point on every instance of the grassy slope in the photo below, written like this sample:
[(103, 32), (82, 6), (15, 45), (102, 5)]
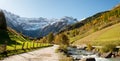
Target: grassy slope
[(13, 38), (108, 35), (95, 23)]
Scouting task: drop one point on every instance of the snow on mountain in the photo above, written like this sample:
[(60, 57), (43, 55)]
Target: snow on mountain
[(69, 20), (37, 27)]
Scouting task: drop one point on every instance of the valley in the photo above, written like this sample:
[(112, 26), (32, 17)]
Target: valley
[(93, 38)]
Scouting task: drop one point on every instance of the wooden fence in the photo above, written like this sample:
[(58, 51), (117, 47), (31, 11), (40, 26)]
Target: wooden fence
[(24, 46)]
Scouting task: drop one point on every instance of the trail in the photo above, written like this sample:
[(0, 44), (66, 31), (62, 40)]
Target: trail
[(44, 54)]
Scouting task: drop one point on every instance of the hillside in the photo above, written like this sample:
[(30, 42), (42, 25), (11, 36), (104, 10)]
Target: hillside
[(79, 32), (83, 22), (15, 39), (11, 40), (110, 35), (7, 35), (98, 19)]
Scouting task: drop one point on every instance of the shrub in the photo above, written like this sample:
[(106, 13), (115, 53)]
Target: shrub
[(61, 39), (89, 47)]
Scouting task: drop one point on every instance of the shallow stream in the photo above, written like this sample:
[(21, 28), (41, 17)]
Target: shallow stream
[(78, 54)]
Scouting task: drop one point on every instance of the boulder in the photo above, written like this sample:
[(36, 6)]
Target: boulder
[(118, 53), (88, 59), (107, 55)]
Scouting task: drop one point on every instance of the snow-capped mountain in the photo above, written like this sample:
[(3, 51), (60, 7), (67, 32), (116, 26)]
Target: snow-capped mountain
[(37, 27)]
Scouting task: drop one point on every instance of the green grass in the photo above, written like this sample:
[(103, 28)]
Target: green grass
[(27, 45), (19, 40), (14, 39), (108, 35)]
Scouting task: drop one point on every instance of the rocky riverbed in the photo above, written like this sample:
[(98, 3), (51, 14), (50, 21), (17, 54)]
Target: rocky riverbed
[(83, 55)]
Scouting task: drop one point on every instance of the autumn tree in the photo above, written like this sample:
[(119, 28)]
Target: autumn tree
[(56, 40), (50, 37), (62, 39), (43, 40)]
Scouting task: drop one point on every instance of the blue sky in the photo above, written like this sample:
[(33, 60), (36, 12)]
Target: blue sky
[(57, 8)]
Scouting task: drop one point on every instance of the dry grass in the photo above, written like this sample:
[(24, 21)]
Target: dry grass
[(110, 34), (63, 57)]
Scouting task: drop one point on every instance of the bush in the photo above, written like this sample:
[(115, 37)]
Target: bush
[(108, 48), (89, 47), (61, 39)]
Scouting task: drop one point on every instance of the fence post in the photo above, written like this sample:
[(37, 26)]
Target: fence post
[(33, 44), (23, 45), (40, 45), (37, 44), (30, 45), (27, 45)]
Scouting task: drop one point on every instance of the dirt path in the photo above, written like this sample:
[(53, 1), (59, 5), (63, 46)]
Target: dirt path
[(45, 54)]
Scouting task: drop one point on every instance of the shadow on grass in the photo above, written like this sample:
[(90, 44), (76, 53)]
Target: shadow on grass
[(4, 38)]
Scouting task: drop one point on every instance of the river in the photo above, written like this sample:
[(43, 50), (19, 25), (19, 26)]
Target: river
[(78, 54)]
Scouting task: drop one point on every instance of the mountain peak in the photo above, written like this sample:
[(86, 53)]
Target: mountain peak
[(33, 27), (69, 20)]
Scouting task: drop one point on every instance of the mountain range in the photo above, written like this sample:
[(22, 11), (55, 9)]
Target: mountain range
[(37, 27)]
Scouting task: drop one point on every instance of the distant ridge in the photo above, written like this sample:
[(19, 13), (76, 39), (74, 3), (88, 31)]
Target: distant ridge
[(37, 27)]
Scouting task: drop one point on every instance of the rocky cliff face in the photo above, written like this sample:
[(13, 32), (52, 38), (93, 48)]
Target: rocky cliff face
[(2, 21), (4, 37)]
